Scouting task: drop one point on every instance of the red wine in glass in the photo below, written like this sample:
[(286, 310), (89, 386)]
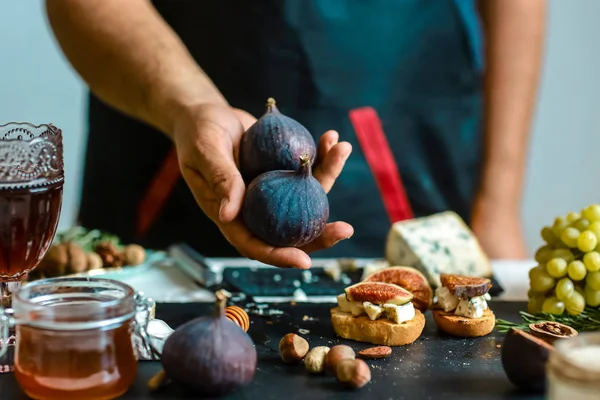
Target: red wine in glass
[(28, 222), (31, 188)]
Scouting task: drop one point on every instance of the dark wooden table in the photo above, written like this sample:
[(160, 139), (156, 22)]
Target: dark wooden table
[(435, 367)]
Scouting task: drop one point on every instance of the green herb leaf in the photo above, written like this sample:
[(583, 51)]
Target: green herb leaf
[(588, 320)]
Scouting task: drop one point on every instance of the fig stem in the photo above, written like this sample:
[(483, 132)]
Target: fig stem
[(271, 106), (158, 381), (221, 302), (305, 168)]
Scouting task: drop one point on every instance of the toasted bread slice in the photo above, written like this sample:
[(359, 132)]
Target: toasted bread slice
[(381, 331), (462, 326)]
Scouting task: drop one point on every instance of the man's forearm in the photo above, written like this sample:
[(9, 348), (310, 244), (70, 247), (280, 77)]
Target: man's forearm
[(130, 58), (514, 36)]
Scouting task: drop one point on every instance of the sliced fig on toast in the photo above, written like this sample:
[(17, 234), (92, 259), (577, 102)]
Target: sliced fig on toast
[(378, 293), (408, 278), (463, 286)]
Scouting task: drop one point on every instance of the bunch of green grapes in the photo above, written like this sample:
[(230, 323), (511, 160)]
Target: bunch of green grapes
[(567, 277)]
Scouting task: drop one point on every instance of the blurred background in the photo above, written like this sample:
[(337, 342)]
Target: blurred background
[(38, 85)]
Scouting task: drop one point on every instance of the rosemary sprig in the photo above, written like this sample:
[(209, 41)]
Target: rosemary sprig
[(588, 320), (87, 239)]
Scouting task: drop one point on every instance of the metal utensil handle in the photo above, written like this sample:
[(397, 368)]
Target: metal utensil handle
[(6, 322), (144, 313)]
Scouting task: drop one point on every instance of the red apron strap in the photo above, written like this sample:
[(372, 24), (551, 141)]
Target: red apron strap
[(157, 194), (380, 159)]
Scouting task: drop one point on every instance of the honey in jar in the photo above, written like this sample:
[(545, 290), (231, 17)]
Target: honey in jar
[(74, 339)]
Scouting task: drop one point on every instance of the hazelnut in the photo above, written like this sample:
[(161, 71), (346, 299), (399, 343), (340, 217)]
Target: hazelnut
[(94, 261), (134, 254), (335, 355), (315, 359), (353, 373), (292, 348)]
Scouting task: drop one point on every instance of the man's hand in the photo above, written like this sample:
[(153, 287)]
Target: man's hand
[(207, 140)]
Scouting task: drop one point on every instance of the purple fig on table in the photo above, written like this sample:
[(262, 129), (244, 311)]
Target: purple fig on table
[(210, 355)]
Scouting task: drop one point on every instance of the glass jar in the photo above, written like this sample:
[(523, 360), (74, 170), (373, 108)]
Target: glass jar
[(573, 369), (76, 337)]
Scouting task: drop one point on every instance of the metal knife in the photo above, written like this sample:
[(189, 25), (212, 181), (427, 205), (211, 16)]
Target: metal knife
[(193, 264)]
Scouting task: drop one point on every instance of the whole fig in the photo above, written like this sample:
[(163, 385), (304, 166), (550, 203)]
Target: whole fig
[(286, 208), (210, 355), (274, 142)]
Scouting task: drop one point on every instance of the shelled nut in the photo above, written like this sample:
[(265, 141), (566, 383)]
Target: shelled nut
[(315, 359), (353, 373), (293, 348), (337, 354)]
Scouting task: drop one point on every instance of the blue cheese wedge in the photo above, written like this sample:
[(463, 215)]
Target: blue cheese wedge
[(343, 303), (446, 300), (440, 243), (471, 308), (373, 310), (399, 314), (392, 312), (357, 309)]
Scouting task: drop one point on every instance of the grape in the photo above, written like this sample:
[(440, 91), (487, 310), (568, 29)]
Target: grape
[(549, 236), (592, 261), (576, 270), (535, 304), (557, 267), (592, 212), (569, 236), (535, 270), (579, 289), (581, 224), (543, 254), (593, 280), (575, 304), (572, 217), (595, 227), (564, 289), (558, 226), (561, 245), (587, 241), (565, 254), (541, 281), (592, 297), (553, 306)]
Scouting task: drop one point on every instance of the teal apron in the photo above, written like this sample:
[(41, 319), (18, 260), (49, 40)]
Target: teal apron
[(416, 62)]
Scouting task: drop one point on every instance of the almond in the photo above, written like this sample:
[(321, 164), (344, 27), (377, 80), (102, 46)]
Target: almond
[(375, 352)]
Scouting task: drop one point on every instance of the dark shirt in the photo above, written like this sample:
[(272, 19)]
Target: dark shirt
[(416, 62)]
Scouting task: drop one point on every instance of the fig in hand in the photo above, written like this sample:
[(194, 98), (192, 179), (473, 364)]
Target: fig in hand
[(286, 208), (274, 142), (210, 355)]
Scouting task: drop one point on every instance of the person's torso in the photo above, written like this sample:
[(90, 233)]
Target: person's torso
[(417, 62)]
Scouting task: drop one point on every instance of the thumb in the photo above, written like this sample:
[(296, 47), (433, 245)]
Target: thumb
[(227, 184)]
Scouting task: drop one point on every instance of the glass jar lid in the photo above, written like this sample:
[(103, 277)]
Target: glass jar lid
[(74, 304)]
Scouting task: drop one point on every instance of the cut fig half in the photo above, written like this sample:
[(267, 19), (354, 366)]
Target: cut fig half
[(408, 278), (378, 293), (465, 287)]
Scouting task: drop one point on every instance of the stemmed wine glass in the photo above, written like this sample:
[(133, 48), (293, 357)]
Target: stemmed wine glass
[(31, 188)]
